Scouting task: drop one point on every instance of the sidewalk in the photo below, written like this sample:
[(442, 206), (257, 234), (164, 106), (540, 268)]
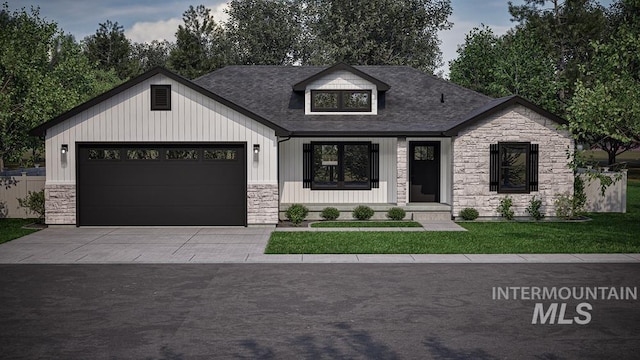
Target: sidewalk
[(189, 245)]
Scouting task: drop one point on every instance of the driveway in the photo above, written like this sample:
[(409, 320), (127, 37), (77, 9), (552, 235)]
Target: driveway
[(63, 245)]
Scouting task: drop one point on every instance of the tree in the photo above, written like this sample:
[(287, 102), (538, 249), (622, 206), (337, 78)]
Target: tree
[(110, 49), (146, 56), (514, 63), (264, 32), (42, 74), (375, 32), (201, 44), (564, 30), (605, 110)]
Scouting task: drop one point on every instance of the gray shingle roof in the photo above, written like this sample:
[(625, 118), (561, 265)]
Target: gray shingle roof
[(412, 104)]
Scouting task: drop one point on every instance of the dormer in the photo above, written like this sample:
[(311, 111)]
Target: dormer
[(341, 90)]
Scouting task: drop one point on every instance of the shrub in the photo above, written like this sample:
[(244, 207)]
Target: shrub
[(362, 212), (564, 206), (34, 203), (296, 213), (534, 208), (504, 209), (330, 213), (396, 213), (469, 214)]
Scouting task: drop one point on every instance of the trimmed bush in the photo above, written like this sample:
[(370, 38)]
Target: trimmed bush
[(534, 208), (396, 213), (469, 214), (504, 209), (296, 213), (34, 203), (362, 212), (330, 213)]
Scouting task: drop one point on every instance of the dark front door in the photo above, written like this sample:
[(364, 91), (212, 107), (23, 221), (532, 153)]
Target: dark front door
[(424, 171), (162, 184)]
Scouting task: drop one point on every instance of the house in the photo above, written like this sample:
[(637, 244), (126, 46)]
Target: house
[(237, 146)]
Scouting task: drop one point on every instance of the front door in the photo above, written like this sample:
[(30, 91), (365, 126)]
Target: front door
[(424, 171)]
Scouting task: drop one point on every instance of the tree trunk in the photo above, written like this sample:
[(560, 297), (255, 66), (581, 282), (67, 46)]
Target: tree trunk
[(612, 156), (1, 163)]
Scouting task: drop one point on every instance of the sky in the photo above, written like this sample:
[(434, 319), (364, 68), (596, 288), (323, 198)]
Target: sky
[(147, 20)]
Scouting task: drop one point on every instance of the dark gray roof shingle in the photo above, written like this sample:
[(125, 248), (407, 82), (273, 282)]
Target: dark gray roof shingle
[(412, 104)]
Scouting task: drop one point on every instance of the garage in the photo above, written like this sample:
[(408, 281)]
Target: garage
[(156, 184)]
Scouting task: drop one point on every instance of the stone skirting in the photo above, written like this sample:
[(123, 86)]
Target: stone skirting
[(262, 204), (60, 204)]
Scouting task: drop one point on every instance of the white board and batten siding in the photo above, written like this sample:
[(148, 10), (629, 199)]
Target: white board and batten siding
[(341, 80), (291, 171), (126, 117)]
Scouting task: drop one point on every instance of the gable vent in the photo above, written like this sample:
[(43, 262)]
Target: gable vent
[(160, 97)]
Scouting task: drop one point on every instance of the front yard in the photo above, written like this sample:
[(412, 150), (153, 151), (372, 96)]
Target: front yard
[(606, 233), (12, 229)]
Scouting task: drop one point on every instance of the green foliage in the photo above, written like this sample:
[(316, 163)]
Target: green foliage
[(504, 209), (534, 208), (264, 32), (296, 213), (34, 203), (110, 50), (469, 214), (362, 212), (146, 56), (564, 206), (396, 213), (579, 197), (330, 213), (43, 73), (201, 44), (374, 32)]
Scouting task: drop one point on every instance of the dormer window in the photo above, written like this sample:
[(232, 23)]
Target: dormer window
[(340, 100)]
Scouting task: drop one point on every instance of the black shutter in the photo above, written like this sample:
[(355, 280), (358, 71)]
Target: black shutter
[(533, 167), (375, 165), (307, 177), (494, 167)]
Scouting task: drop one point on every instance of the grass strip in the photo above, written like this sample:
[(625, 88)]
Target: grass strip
[(12, 229), (364, 224)]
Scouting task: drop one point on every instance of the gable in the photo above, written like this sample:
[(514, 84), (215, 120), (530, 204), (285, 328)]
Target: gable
[(338, 83)]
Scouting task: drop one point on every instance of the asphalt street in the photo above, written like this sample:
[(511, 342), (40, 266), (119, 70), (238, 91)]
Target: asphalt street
[(316, 311)]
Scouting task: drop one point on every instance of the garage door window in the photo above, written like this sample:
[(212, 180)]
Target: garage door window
[(220, 154), (182, 154), (104, 154), (143, 154)]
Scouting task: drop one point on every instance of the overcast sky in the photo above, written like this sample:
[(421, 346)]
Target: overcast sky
[(146, 20)]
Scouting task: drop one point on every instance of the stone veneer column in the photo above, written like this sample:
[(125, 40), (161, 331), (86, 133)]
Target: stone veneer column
[(402, 171), (60, 204), (262, 204)]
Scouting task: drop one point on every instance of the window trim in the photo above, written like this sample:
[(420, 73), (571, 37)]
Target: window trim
[(530, 169), (154, 102), (340, 167), (341, 107)]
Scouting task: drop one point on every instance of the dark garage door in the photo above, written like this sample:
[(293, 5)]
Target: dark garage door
[(162, 184)]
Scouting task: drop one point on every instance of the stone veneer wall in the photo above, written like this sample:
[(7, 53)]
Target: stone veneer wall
[(402, 172), (471, 161), (262, 204), (60, 204)]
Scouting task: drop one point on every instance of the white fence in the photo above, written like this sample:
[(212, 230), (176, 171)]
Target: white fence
[(13, 188), (614, 198)]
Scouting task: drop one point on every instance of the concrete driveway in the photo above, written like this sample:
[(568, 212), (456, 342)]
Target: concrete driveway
[(137, 245)]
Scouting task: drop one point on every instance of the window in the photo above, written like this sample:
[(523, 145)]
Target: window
[(514, 167), (344, 165), (341, 100), (160, 97), (182, 154), (220, 154), (104, 154), (143, 154)]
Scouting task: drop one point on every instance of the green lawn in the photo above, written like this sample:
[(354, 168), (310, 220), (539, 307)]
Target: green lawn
[(364, 224), (606, 233), (12, 229)]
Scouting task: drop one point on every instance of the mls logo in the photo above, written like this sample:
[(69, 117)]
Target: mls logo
[(556, 314)]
